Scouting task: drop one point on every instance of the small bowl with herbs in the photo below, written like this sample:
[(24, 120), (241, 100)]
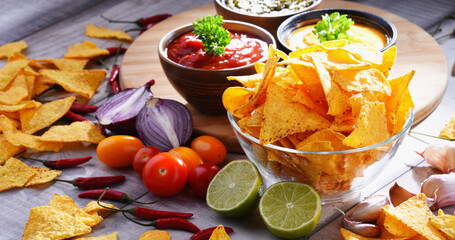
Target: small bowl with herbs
[(266, 14), (356, 26), (197, 58)]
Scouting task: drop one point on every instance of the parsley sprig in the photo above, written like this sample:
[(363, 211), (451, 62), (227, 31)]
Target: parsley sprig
[(212, 34), (333, 27)]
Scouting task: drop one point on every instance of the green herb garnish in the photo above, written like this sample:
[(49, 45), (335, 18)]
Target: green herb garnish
[(333, 27), (212, 34)]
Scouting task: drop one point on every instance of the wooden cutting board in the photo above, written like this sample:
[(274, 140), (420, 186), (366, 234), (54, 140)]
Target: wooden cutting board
[(417, 50)]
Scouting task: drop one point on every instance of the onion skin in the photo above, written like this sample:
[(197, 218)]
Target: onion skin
[(398, 194), (118, 114), (164, 123)]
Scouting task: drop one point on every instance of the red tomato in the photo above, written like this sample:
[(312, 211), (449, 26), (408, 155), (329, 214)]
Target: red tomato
[(189, 156), (165, 174), (142, 156), (200, 178), (209, 148), (118, 150)]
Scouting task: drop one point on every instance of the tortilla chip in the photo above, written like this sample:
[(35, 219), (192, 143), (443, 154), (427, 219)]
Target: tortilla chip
[(155, 235), (402, 112), (17, 107), (304, 98), (8, 150), (248, 81), (80, 131), (84, 82), (100, 32), (112, 236), (309, 77), (85, 50), (283, 117), (449, 129), (15, 92), (9, 49), (14, 173), (43, 175), (66, 64), (234, 97), (66, 204), (10, 70), (445, 223), (35, 119), (399, 87), (93, 208), (369, 80), (219, 234), (47, 222), (348, 235)]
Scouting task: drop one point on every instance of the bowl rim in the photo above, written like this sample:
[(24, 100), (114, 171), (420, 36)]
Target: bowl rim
[(222, 4), (406, 128), (163, 41), (372, 16)]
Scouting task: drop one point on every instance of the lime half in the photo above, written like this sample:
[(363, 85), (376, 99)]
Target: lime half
[(235, 190), (290, 209)]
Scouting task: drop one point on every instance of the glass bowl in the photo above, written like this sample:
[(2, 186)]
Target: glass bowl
[(356, 167)]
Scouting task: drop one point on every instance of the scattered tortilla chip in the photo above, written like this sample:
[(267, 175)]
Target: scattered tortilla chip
[(100, 32), (449, 129), (10, 70), (17, 107), (348, 235), (66, 64), (219, 234), (66, 204), (86, 49), (155, 235), (80, 131), (112, 236), (93, 208), (445, 223), (14, 173), (43, 175), (35, 119), (15, 91), (84, 82), (9, 49), (47, 222), (8, 150)]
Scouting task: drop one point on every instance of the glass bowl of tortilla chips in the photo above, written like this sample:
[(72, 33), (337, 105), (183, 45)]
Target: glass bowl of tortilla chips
[(327, 115)]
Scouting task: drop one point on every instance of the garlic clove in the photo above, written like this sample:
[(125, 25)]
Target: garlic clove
[(367, 210), (440, 187), (364, 229), (398, 194), (440, 156)]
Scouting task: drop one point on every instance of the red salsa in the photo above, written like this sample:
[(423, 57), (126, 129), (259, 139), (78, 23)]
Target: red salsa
[(242, 50)]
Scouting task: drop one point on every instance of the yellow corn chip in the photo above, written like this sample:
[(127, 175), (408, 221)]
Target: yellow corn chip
[(66, 64), (7, 149), (348, 235), (219, 234), (155, 235), (449, 129), (47, 222), (14, 173), (85, 50), (248, 81), (35, 119), (9, 49), (402, 112), (66, 204), (234, 97), (15, 92), (80, 131), (15, 108), (100, 32), (445, 223), (83, 82), (10, 70), (399, 87), (369, 80), (93, 208), (43, 175), (112, 236)]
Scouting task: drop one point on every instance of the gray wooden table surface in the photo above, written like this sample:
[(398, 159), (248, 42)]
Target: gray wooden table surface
[(50, 26)]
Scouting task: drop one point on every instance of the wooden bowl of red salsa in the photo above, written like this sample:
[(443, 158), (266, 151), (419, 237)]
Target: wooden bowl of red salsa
[(201, 78)]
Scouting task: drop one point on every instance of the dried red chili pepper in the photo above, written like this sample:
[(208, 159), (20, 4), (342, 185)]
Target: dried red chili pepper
[(110, 195), (142, 22), (94, 182), (82, 108), (114, 50), (115, 68), (61, 163), (74, 117), (205, 234), (169, 223), (115, 87)]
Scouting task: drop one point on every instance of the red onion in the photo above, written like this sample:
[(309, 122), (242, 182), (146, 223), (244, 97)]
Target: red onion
[(164, 123), (119, 112)]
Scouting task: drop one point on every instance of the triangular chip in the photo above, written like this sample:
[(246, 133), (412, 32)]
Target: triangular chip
[(112, 236), (399, 87), (47, 222), (66, 204), (86, 49), (15, 91), (93, 208), (35, 119), (401, 115), (15, 108), (449, 129), (369, 80), (234, 97), (10, 70), (66, 64), (445, 223), (283, 117), (14, 173), (219, 234), (9, 49), (7, 149), (155, 235), (248, 81), (84, 82), (100, 32), (43, 175), (79, 131)]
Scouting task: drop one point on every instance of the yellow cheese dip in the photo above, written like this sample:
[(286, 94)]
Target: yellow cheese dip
[(304, 37)]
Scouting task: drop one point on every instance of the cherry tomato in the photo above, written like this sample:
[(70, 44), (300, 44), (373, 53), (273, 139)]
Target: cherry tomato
[(142, 156), (118, 150), (209, 148), (165, 174), (189, 156), (200, 178)]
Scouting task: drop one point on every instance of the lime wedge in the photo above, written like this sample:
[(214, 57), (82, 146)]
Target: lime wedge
[(290, 209), (235, 190)]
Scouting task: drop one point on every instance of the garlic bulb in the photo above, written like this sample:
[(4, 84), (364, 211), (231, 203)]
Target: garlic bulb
[(440, 187), (441, 156)]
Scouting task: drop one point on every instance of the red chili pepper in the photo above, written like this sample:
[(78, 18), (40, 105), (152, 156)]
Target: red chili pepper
[(206, 233), (115, 68), (110, 195), (74, 117), (115, 87), (150, 214), (62, 163), (114, 50), (142, 22), (94, 182), (81, 108), (169, 223)]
